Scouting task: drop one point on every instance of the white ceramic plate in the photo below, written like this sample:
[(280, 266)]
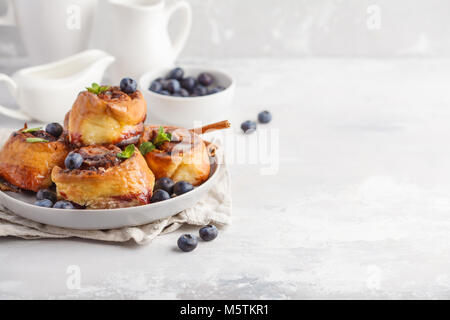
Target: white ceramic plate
[(22, 205)]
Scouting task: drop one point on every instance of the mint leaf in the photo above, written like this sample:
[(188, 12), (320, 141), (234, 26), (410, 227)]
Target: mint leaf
[(146, 147), (162, 137), (34, 140), (32, 130), (127, 153), (95, 88)]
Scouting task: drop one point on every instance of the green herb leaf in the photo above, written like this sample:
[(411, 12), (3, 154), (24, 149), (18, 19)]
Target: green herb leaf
[(127, 153), (31, 130), (95, 88), (162, 137), (146, 147), (34, 140)]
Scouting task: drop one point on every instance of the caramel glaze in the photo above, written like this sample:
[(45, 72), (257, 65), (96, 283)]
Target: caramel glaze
[(105, 181), (184, 158), (28, 165), (112, 117)]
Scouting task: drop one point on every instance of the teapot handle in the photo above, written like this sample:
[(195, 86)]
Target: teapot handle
[(180, 39), (15, 114), (8, 18)]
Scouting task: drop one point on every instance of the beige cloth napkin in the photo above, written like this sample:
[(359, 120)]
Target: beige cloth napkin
[(215, 208)]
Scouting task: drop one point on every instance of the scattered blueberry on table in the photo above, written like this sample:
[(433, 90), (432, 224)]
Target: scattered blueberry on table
[(160, 195), (55, 129), (187, 242), (46, 194), (128, 85), (165, 184), (63, 205), (46, 203), (182, 187), (73, 161), (248, 127), (176, 85), (264, 117), (209, 233)]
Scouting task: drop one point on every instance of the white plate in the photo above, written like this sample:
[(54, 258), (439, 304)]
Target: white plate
[(22, 205)]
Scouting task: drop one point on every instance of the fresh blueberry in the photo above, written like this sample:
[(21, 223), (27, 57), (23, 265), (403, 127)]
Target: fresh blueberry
[(208, 233), (46, 203), (205, 79), (73, 161), (264, 117), (160, 195), (189, 83), (176, 74), (187, 242), (199, 90), (128, 85), (156, 86), (183, 93), (159, 80), (248, 126), (63, 205), (172, 86), (215, 90), (46, 194), (165, 184), (182, 187), (55, 129), (164, 92)]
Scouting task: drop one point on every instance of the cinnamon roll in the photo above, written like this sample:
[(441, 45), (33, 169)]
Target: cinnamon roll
[(183, 157), (105, 180), (28, 157), (110, 117)]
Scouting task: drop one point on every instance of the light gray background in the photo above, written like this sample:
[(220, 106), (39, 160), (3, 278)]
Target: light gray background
[(293, 28)]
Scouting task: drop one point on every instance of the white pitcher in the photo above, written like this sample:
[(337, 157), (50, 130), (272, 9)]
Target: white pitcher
[(136, 33), (46, 93), (51, 29)]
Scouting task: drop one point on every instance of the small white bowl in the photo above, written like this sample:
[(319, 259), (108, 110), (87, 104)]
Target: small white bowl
[(188, 112)]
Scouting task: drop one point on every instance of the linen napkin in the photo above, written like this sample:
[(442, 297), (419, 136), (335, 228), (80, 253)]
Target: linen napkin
[(214, 208)]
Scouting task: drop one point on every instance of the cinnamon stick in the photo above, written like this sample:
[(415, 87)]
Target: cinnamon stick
[(212, 127)]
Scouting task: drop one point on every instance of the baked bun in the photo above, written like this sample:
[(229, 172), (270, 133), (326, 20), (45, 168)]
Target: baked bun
[(184, 158), (27, 163), (111, 117), (104, 180)]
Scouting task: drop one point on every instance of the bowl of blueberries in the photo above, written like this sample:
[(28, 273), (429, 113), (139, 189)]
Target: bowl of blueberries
[(188, 96)]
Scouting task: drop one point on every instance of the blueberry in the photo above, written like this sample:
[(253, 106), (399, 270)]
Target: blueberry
[(73, 161), (205, 79), (55, 129), (46, 203), (164, 92), (183, 93), (215, 90), (159, 80), (182, 187), (172, 86), (63, 205), (187, 242), (189, 83), (156, 86), (160, 195), (165, 184), (265, 117), (46, 194), (248, 126), (128, 85), (176, 74), (208, 233), (199, 90)]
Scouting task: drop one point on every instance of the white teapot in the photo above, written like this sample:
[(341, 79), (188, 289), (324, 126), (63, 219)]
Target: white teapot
[(136, 33)]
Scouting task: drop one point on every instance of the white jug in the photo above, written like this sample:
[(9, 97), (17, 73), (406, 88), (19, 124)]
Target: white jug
[(51, 29), (46, 93), (136, 33)]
